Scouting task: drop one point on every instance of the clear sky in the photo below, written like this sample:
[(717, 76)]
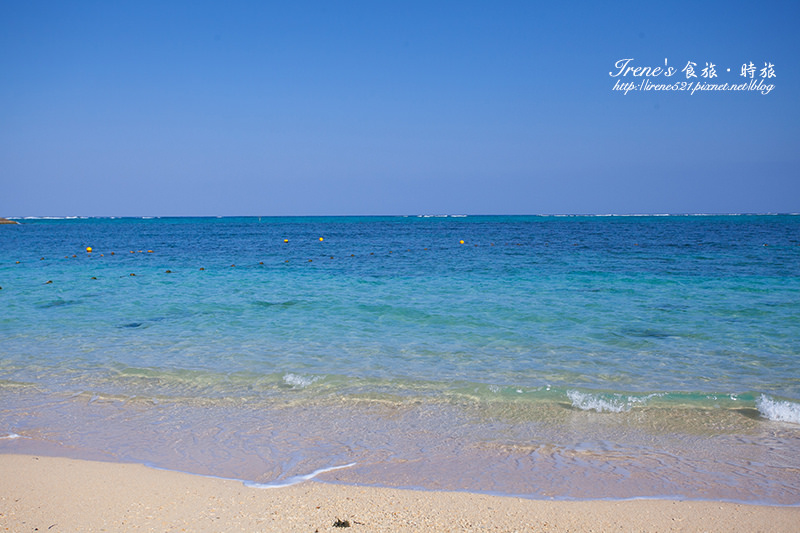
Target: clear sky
[(138, 108)]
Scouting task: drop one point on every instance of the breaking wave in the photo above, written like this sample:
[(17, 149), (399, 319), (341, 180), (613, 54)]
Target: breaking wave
[(612, 403), (299, 382), (777, 410)]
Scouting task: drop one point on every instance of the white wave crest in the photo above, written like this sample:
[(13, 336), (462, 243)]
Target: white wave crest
[(594, 402), (779, 411), (298, 381), (11, 436)]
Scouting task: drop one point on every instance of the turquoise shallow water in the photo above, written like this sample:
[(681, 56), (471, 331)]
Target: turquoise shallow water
[(654, 355)]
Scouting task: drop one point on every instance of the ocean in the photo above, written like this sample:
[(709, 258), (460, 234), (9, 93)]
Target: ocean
[(548, 357)]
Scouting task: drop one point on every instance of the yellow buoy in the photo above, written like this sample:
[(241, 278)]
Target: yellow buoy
[(320, 239), (285, 240), (461, 242), (89, 249)]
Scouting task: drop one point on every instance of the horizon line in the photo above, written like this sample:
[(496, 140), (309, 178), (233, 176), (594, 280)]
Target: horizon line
[(414, 215)]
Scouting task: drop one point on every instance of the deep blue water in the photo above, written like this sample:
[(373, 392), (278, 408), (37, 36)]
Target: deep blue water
[(644, 320)]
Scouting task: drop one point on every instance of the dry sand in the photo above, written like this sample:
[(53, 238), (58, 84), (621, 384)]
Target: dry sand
[(64, 495)]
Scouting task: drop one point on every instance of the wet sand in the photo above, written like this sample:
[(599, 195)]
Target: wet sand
[(39, 493)]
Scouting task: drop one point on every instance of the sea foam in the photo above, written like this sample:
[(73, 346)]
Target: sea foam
[(777, 410), (595, 402), (296, 479), (613, 403), (299, 382)]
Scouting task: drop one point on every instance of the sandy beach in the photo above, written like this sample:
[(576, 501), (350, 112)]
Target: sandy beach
[(39, 493)]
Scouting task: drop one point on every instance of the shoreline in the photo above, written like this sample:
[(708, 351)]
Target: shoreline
[(589, 458), (60, 494)]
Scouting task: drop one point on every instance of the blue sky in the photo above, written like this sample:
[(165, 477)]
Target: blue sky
[(280, 108)]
